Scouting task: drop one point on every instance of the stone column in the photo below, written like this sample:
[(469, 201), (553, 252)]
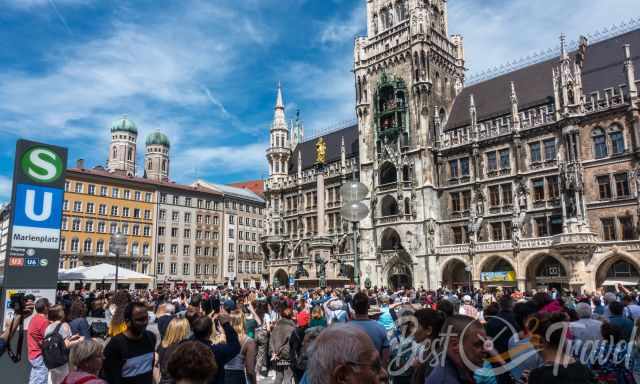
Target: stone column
[(321, 207)]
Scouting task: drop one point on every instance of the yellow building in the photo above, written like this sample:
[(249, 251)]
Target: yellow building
[(97, 203)]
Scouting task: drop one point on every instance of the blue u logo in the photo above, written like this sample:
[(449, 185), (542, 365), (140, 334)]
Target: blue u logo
[(38, 206)]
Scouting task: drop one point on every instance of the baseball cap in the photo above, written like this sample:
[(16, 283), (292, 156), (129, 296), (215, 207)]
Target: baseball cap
[(229, 305)]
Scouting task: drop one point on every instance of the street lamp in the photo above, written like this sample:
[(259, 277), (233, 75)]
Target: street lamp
[(117, 244), (354, 210)]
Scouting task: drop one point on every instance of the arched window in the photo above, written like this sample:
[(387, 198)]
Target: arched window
[(164, 165), (423, 61), (416, 65), (130, 154), (115, 153), (149, 164), (389, 206), (364, 87), (599, 143), (145, 249), (617, 139), (100, 247), (388, 174), (405, 173), (87, 246), (74, 245), (359, 89), (438, 85), (407, 206), (134, 249)]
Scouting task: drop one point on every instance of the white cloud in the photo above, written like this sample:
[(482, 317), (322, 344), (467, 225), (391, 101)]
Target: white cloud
[(499, 32), (223, 160), (5, 188), (341, 31), (40, 3), (133, 66)]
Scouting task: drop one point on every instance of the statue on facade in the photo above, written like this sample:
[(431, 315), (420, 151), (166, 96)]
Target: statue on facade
[(321, 151), (300, 272), (479, 201), (431, 235), (321, 270)]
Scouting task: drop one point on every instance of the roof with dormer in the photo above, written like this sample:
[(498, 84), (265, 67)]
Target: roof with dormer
[(534, 84), (333, 141)]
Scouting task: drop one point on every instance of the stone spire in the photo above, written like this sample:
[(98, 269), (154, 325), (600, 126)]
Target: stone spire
[(279, 103), (279, 152), (343, 154), (515, 115), (473, 117), (630, 72)]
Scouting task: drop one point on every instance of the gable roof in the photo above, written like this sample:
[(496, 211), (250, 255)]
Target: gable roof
[(229, 190), (603, 68), (333, 141), (255, 186)]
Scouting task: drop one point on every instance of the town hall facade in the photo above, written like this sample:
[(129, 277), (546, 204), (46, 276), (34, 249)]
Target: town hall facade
[(527, 179)]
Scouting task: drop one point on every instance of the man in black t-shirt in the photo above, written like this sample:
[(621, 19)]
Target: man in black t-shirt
[(129, 356)]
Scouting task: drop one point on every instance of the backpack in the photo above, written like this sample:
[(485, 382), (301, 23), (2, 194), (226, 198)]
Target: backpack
[(300, 357), (54, 352)]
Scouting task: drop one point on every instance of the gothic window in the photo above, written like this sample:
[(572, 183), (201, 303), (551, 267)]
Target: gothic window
[(405, 173), (149, 164), (507, 196), (416, 65), (466, 200), (115, 152), (549, 149), (538, 189), (423, 62), (401, 9), (389, 206), (455, 201), (359, 89), (407, 206), (438, 85), (164, 165), (617, 140), (604, 187), (453, 168), (504, 159), (553, 187), (492, 164), (494, 196), (608, 229), (599, 143), (464, 166), (388, 174), (534, 149), (622, 185), (626, 226), (130, 154)]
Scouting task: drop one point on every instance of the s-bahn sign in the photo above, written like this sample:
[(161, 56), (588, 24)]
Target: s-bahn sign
[(33, 248)]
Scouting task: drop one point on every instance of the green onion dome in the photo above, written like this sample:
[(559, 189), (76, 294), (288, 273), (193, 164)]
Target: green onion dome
[(125, 125), (158, 138)]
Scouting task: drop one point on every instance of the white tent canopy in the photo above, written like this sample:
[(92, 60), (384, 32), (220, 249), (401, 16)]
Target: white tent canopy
[(103, 272)]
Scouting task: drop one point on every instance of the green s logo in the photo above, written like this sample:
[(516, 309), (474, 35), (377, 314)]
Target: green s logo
[(41, 165)]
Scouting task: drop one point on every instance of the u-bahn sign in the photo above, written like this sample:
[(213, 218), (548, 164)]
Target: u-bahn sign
[(33, 247)]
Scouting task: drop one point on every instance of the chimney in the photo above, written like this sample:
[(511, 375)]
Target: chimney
[(80, 163)]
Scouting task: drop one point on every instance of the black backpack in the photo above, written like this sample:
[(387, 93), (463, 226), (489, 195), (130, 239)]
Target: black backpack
[(54, 352)]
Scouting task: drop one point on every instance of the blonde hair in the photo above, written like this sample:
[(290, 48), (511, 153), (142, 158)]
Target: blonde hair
[(177, 330), (83, 351), (317, 313), (237, 322)]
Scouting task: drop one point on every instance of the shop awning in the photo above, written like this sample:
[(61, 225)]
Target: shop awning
[(614, 281)]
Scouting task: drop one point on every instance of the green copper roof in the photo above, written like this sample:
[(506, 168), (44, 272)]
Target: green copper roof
[(158, 138), (124, 124)]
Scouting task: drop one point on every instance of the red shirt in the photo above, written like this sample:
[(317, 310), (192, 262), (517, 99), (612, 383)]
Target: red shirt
[(35, 334)]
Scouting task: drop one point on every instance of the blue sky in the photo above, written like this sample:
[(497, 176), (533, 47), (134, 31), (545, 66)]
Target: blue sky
[(205, 72)]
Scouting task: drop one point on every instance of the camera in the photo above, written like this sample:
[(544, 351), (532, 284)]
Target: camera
[(18, 302)]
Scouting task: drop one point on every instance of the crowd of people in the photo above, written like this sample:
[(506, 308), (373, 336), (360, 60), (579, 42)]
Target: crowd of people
[(329, 335)]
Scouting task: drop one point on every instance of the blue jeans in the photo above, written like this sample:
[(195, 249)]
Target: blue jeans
[(39, 373)]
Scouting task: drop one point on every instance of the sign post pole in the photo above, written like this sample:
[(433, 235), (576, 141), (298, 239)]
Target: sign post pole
[(33, 247)]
